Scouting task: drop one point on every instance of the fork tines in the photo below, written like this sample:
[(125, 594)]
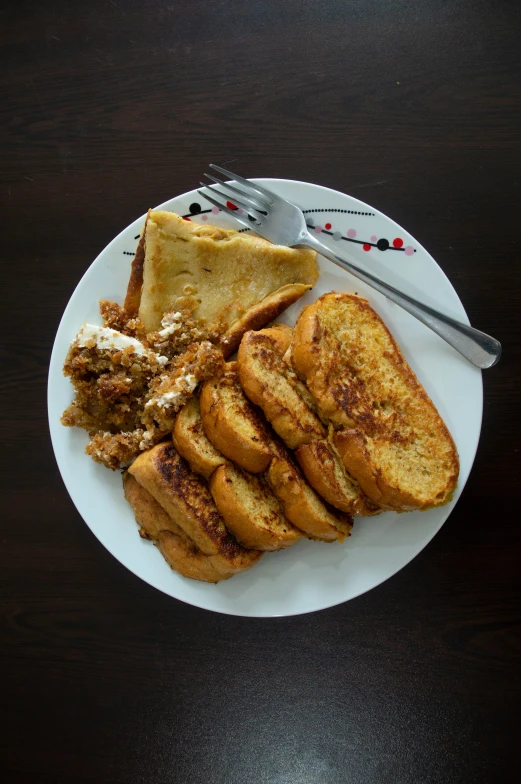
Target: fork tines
[(251, 199)]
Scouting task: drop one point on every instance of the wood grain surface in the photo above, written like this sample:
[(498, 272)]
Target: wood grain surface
[(110, 107)]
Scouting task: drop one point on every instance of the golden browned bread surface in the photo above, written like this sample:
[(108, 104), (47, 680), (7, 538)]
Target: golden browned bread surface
[(182, 494), (186, 499), (326, 474), (150, 515), (239, 280), (301, 505), (225, 564), (280, 335), (191, 441), (184, 557), (178, 549), (231, 422), (269, 380), (393, 442), (272, 385), (135, 283), (251, 511)]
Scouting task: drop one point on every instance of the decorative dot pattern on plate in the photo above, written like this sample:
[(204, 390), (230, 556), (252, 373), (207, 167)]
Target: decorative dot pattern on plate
[(381, 244)]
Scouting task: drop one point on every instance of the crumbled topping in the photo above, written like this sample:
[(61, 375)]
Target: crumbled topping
[(199, 362), (106, 339), (118, 450), (180, 330), (116, 317), (130, 385)]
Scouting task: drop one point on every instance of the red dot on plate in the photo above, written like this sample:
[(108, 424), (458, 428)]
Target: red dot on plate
[(397, 243), (230, 205), (366, 247), (187, 219), (328, 226)]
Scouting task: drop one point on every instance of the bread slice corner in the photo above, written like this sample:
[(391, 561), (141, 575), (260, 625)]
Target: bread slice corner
[(179, 551)]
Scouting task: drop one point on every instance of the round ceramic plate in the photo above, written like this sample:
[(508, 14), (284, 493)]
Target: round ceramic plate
[(311, 575)]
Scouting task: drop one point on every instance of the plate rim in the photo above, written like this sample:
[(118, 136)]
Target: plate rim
[(231, 611)]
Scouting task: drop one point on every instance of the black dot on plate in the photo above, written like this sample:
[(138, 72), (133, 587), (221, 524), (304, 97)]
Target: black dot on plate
[(250, 217), (195, 208), (382, 244)]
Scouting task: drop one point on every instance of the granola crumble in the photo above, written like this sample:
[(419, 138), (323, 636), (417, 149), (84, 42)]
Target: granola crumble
[(129, 385)]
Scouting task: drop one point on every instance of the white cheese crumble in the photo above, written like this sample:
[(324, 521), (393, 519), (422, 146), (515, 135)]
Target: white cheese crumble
[(146, 440), (167, 331), (171, 322), (112, 340), (184, 384), (168, 318)]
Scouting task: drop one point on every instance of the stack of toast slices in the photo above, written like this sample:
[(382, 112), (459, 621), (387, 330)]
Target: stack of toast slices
[(226, 489), (306, 429)]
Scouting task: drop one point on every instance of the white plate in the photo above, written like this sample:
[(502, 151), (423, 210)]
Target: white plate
[(309, 576)]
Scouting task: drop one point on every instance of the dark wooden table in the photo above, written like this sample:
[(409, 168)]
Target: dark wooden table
[(116, 106)]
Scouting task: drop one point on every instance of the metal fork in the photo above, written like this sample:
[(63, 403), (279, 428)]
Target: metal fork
[(283, 223)]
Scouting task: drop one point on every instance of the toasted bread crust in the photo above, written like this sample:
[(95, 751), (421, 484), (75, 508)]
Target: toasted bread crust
[(301, 505), (269, 383), (176, 547), (135, 283), (261, 314), (191, 441), (185, 558), (325, 473), (185, 497), (280, 335), (395, 442), (150, 515), (232, 424), (250, 510), (305, 345), (352, 447)]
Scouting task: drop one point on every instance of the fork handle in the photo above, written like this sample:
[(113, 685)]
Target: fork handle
[(479, 348)]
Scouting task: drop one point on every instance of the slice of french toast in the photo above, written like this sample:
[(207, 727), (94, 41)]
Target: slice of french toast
[(251, 511), (272, 385), (390, 436), (191, 441), (231, 422), (268, 379), (178, 549), (185, 497), (301, 505)]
